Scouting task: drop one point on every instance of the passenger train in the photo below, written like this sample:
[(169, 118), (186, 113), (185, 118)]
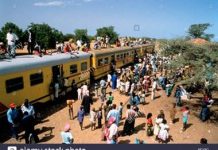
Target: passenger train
[(30, 76)]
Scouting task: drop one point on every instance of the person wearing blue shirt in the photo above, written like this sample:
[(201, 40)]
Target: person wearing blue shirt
[(13, 119), (114, 113), (134, 99)]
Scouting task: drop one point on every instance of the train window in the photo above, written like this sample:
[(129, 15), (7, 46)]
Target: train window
[(118, 57), (106, 60), (14, 84), (121, 56), (36, 78), (73, 69), (100, 62), (84, 66)]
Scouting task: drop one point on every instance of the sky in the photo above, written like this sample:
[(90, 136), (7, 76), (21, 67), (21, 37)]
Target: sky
[(138, 18)]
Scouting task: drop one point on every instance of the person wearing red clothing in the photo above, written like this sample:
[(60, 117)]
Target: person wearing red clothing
[(149, 125)]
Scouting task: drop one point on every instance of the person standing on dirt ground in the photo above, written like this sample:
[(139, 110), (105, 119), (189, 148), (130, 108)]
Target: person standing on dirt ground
[(13, 117), (185, 113), (11, 38), (80, 116), (28, 124)]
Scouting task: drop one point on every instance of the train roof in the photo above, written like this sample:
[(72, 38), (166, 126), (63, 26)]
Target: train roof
[(27, 62), (113, 50)]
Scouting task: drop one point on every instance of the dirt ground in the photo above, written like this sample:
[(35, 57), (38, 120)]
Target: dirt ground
[(50, 127)]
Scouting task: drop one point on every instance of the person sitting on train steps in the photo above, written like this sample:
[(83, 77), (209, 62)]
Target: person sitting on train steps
[(27, 107), (13, 117)]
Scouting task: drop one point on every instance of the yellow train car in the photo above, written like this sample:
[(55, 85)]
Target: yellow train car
[(30, 77), (101, 60)]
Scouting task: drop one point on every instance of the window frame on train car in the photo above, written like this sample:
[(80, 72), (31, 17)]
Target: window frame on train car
[(38, 78), (133, 52), (121, 56), (72, 71), (100, 62), (106, 60), (84, 68), (15, 84)]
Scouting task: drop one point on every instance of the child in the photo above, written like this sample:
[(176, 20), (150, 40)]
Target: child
[(70, 107), (80, 116), (99, 116), (105, 131), (107, 108), (158, 121), (142, 97), (79, 91), (163, 134), (185, 112), (162, 114), (110, 98), (120, 109), (149, 125), (93, 118)]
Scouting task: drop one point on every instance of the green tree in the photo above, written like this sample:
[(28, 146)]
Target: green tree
[(107, 31), (46, 36), (202, 58), (82, 34), (15, 29), (198, 31)]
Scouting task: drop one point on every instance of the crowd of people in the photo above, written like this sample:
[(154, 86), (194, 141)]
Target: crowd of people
[(137, 82), (33, 47), (146, 76)]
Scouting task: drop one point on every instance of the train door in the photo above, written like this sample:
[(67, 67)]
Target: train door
[(113, 63), (136, 57), (55, 72)]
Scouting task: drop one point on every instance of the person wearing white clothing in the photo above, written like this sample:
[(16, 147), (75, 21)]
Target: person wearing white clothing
[(27, 107), (11, 38), (79, 91), (113, 131), (79, 44), (127, 85), (154, 88), (163, 134), (56, 86), (109, 77), (158, 121)]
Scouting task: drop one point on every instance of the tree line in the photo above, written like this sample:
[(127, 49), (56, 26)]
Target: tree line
[(201, 58), (46, 36)]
